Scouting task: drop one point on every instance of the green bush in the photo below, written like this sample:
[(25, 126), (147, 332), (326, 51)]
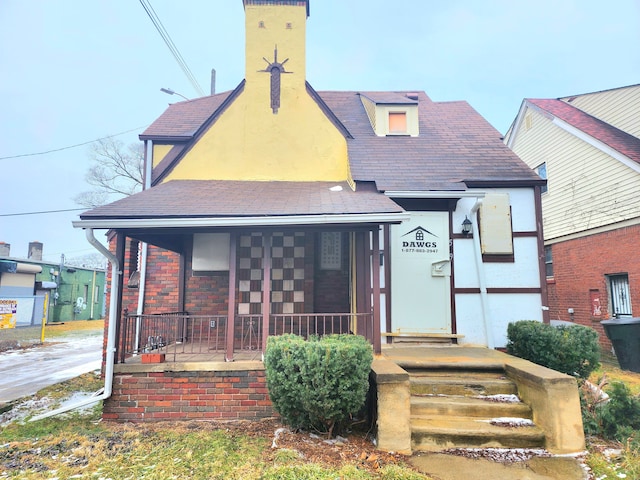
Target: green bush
[(318, 384), (572, 349), (617, 418)]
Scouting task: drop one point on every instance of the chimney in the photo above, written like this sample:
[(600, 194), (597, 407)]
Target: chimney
[(5, 249), (35, 251), (213, 81), (275, 35)]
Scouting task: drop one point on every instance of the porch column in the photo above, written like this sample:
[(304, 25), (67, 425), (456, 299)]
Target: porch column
[(231, 307), (266, 289), (120, 253), (375, 267)]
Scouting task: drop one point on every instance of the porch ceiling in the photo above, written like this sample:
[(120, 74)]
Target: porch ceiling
[(199, 203)]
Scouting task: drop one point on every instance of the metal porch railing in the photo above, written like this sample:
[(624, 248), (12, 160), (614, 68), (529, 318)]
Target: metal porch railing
[(178, 334)]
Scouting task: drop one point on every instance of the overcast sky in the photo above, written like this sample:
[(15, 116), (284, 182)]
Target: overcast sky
[(72, 71)]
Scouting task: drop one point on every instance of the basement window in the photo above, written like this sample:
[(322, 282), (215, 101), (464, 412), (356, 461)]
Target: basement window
[(397, 123)]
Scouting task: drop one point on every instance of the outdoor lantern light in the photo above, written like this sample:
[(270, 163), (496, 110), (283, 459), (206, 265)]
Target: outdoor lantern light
[(467, 226)]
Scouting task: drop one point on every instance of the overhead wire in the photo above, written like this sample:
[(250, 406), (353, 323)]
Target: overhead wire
[(70, 146), (153, 16)]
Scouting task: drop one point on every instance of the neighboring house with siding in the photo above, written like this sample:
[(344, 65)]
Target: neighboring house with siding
[(588, 148)]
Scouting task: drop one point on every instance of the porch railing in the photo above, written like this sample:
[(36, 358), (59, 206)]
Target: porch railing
[(178, 334)]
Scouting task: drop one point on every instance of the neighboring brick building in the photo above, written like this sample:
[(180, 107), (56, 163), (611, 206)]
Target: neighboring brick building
[(588, 148)]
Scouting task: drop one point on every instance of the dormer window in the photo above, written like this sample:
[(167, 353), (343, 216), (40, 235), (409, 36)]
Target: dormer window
[(397, 123), (392, 113)]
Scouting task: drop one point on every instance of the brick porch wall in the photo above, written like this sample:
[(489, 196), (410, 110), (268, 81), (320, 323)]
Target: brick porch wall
[(155, 396)]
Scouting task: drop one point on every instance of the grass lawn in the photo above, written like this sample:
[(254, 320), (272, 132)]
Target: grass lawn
[(80, 445)]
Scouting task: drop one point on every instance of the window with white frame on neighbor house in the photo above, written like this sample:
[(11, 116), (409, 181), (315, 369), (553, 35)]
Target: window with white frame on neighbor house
[(397, 122), (541, 170)]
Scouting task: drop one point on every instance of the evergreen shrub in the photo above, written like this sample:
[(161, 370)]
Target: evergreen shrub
[(318, 384), (572, 349)]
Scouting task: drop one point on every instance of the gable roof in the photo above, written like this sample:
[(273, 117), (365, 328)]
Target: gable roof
[(456, 148), (606, 133), (183, 119)]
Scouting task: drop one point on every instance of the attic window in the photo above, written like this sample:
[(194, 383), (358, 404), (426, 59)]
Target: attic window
[(397, 122)]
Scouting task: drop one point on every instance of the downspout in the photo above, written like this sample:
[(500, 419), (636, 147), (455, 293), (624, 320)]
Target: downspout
[(484, 299), (141, 291), (105, 392), (146, 183)]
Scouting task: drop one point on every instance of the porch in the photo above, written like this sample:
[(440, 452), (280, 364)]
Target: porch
[(422, 397)]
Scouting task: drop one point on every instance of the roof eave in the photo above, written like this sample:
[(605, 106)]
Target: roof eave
[(280, 220)]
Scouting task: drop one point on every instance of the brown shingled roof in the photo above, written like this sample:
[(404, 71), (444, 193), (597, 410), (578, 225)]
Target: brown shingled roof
[(219, 198), (456, 147), (183, 119), (615, 138)]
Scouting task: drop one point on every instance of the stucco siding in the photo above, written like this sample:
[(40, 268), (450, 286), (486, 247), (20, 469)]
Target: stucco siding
[(617, 107), (586, 187)]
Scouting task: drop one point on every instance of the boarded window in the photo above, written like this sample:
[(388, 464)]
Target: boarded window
[(495, 225), (397, 122)]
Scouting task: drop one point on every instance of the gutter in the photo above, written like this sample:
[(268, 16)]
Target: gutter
[(282, 220), (105, 392)]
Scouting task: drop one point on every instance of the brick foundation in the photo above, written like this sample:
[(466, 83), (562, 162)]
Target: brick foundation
[(148, 396)]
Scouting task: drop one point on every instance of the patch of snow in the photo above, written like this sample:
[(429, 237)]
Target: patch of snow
[(500, 398), (510, 422), (502, 455)]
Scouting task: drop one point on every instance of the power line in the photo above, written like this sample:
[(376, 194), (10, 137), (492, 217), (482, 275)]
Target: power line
[(172, 47), (71, 146), (44, 211)]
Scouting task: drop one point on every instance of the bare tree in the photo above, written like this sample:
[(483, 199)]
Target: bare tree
[(116, 171)]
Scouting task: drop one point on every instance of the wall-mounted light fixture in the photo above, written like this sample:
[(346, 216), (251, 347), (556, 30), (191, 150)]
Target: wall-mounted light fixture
[(467, 226)]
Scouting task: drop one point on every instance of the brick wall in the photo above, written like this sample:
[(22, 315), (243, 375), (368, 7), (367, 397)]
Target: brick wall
[(580, 268), (155, 396)]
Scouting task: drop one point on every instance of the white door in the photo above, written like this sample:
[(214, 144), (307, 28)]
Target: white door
[(420, 274)]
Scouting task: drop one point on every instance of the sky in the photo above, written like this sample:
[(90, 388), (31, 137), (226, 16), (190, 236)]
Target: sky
[(73, 71)]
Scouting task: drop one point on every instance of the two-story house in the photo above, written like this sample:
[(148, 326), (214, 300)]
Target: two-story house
[(277, 208), (588, 148)]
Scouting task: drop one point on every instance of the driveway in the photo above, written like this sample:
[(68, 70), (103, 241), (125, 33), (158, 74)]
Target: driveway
[(24, 372)]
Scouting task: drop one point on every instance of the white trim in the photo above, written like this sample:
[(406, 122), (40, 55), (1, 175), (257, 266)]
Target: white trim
[(434, 194), (594, 142), (517, 123), (241, 221)]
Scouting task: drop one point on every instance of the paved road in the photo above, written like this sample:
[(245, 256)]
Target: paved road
[(24, 372)]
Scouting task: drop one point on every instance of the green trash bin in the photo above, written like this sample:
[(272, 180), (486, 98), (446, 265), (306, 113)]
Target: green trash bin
[(624, 334)]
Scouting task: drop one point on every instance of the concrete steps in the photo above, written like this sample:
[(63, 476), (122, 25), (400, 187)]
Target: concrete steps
[(432, 433), (450, 383), (464, 408)]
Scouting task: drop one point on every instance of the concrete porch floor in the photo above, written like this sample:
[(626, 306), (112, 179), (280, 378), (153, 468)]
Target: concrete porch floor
[(445, 356)]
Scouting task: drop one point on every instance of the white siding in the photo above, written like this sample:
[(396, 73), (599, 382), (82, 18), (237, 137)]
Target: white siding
[(619, 107), (587, 188)]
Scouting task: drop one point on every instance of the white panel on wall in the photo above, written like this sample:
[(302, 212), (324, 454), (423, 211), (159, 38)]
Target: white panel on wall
[(211, 252)]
